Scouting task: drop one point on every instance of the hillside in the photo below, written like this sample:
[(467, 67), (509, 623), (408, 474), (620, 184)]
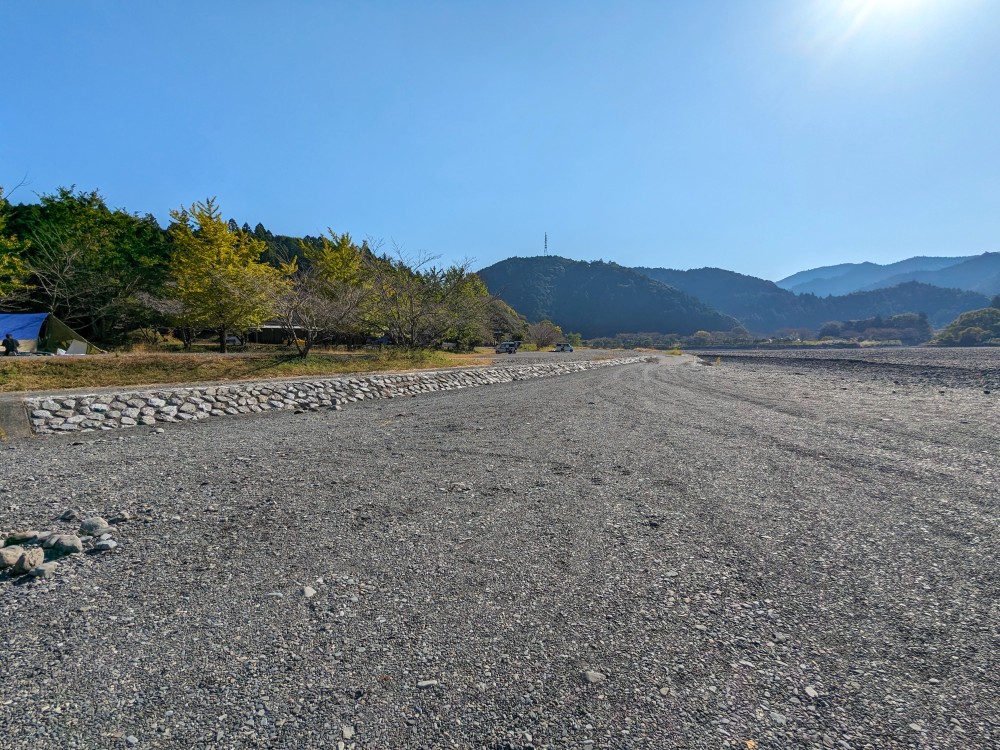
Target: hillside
[(764, 308), (760, 305), (974, 328), (980, 273), (598, 299), (845, 278)]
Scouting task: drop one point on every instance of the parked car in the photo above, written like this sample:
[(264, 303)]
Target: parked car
[(564, 347), (508, 347)]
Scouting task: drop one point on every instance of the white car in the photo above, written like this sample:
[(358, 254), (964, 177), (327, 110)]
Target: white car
[(564, 347)]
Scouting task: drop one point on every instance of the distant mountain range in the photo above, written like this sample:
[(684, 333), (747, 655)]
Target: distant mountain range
[(605, 299), (765, 308), (977, 273), (598, 299)]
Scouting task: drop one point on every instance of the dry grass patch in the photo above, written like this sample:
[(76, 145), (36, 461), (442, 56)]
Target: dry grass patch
[(103, 370)]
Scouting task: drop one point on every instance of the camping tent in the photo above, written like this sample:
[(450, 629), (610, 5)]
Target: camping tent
[(44, 332)]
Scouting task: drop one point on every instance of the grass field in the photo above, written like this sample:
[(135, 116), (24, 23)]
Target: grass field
[(96, 371)]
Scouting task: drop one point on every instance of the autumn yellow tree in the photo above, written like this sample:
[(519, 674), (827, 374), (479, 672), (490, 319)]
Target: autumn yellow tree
[(219, 279), (337, 258), (14, 273)]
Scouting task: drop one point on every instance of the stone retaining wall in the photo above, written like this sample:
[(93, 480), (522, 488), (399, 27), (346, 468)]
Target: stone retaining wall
[(111, 411)]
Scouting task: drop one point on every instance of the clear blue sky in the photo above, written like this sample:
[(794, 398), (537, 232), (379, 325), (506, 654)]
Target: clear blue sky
[(763, 136)]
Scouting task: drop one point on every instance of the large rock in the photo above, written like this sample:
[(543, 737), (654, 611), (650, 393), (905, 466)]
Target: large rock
[(67, 544), (30, 558), (92, 524), (9, 556)]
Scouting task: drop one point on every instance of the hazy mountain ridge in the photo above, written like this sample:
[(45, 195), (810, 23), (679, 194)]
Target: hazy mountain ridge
[(846, 278), (597, 298), (765, 308), (980, 273)]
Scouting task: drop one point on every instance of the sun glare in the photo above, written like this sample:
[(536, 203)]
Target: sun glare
[(859, 13), (830, 27)]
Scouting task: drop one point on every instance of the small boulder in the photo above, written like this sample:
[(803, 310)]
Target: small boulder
[(593, 677), (90, 525), (30, 558), (10, 555), (67, 544), (106, 546)]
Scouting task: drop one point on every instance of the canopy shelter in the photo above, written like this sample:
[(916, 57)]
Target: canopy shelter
[(44, 332)]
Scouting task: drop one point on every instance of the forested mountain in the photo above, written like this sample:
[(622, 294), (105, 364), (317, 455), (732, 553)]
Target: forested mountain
[(765, 308), (854, 277), (280, 248), (980, 273), (598, 299), (940, 305), (758, 304)]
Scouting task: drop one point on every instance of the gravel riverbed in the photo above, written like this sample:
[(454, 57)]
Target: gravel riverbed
[(743, 555)]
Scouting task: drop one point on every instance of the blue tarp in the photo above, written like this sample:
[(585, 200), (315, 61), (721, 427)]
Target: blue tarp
[(23, 326)]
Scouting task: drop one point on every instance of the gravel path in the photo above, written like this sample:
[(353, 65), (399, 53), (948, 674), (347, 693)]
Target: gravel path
[(648, 556)]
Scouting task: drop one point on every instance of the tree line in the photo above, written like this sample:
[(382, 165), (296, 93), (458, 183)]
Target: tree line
[(107, 272)]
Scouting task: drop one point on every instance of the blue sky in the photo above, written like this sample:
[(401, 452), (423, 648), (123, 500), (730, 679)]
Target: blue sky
[(763, 136)]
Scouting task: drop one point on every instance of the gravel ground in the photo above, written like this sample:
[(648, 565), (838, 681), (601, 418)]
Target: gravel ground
[(945, 367), (648, 556)]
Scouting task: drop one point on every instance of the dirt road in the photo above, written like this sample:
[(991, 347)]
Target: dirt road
[(648, 556)]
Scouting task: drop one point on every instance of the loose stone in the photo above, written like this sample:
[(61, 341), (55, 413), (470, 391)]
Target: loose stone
[(91, 526), (20, 536), (45, 570), (67, 544)]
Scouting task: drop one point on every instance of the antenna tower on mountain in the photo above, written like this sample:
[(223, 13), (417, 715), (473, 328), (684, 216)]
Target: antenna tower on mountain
[(546, 243)]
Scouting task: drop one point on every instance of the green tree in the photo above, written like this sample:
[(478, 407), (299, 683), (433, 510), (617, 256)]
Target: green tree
[(419, 305), (315, 308), (217, 274), (504, 322), (89, 263), (328, 295)]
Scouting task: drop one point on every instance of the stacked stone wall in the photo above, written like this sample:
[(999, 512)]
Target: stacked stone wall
[(112, 411)]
